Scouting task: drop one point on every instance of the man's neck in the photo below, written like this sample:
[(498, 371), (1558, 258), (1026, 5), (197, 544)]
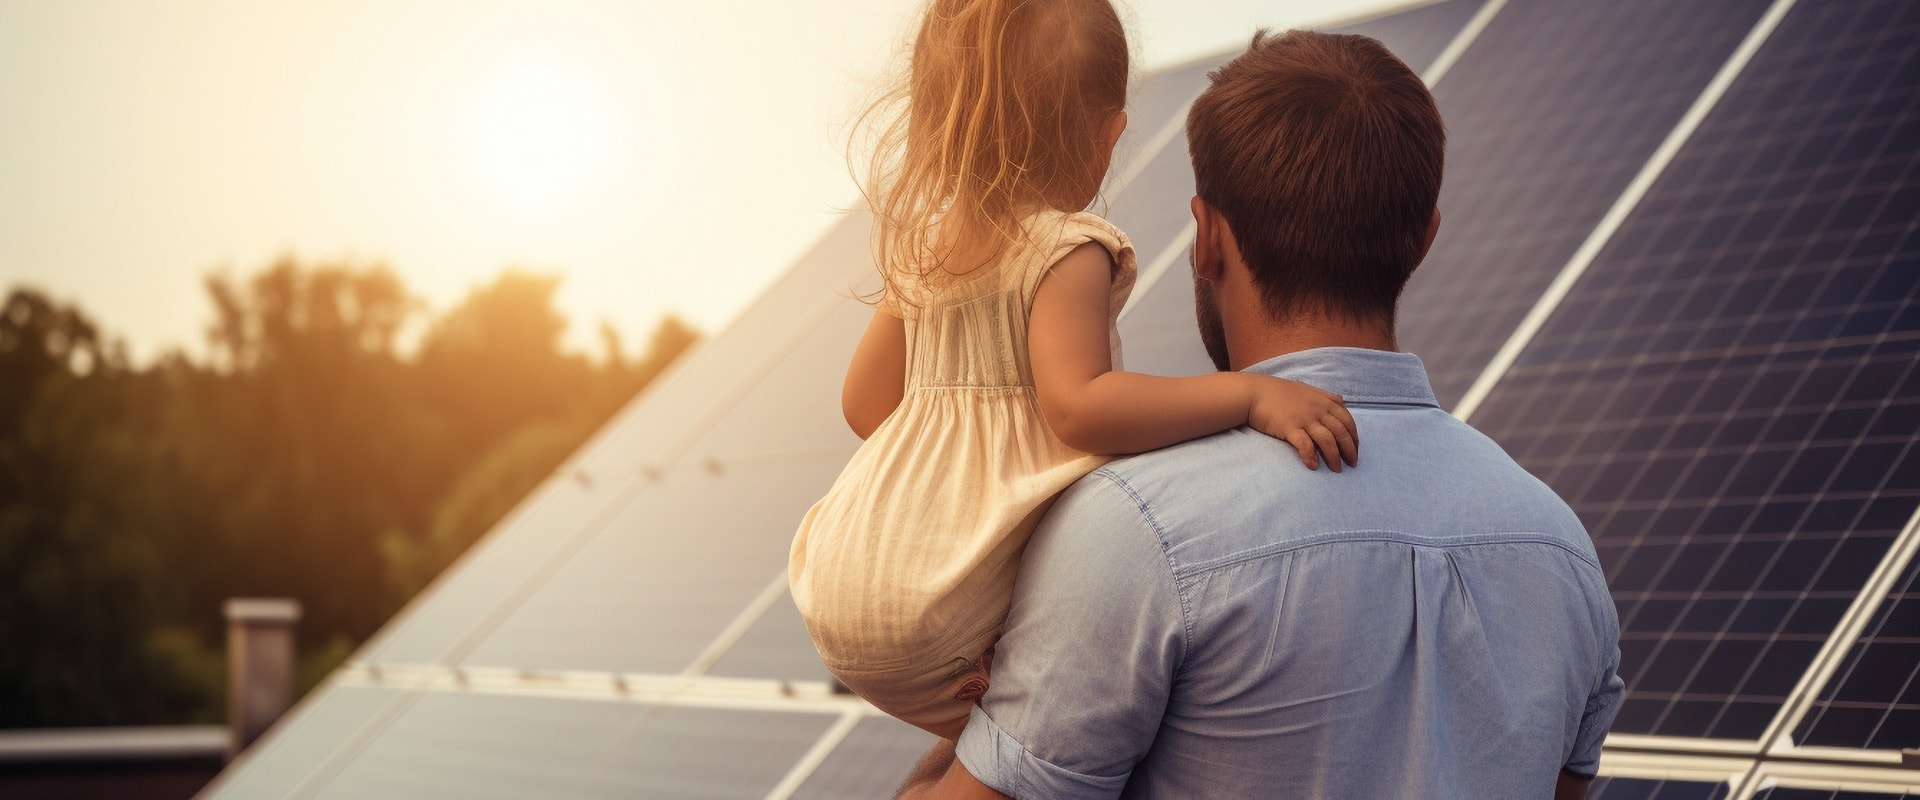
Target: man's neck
[(1259, 343)]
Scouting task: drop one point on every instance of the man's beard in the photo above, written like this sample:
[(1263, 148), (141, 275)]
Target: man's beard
[(1206, 310)]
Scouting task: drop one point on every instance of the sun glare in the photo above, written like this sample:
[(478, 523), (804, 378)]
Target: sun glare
[(535, 137)]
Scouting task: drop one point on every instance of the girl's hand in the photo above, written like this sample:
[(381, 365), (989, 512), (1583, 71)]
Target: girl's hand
[(1315, 422)]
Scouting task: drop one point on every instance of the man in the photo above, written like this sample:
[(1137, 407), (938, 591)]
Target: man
[(1211, 620)]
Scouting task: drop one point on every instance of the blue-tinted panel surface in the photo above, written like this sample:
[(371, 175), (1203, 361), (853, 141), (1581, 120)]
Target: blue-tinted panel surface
[(1640, 789), (480, 746), (1728, 396), (1549, 114), (870, 763), (1418, 36), (1873, 700), (1783, 793)]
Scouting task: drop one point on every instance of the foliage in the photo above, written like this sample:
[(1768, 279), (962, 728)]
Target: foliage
[(307, 456)]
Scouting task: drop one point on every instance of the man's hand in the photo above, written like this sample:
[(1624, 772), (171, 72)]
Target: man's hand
[(940, 776)]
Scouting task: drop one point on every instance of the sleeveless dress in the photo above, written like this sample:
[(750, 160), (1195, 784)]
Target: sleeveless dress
[(904, 570)]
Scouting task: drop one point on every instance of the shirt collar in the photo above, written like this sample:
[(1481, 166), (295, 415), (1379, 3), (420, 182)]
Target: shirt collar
[(1358, 375)]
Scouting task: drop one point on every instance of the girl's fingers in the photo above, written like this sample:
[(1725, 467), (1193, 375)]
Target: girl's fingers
[(1349, 445), (1309, 453), (1328, 444), (1346, 421)]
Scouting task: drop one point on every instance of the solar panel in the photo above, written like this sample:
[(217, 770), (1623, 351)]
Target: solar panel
[(776, 646), (1707, 396), (1549, 115), (656, 587), (1727, 394), (1418, 35), (478, 746), (1873, 699), (1782, 793), (1642, 789), (303, 742), (872, 761)]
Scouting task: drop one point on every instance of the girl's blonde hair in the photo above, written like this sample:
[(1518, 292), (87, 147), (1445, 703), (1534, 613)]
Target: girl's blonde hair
[(1004, 111)]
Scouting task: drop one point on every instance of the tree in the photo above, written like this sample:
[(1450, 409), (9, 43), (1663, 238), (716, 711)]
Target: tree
[(308, 457)]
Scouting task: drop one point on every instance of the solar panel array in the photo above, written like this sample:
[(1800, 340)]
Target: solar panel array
[(1678, 279)]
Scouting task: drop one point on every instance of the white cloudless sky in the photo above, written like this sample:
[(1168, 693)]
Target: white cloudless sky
[(662, 157)]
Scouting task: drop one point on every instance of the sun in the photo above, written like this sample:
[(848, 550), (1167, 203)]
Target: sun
[(536, 137)]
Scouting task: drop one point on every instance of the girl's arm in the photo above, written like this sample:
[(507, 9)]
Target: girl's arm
[(1095, 409), (877, 378)]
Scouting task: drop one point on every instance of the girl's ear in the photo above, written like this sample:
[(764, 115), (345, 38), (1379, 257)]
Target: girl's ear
[(1115, 127)]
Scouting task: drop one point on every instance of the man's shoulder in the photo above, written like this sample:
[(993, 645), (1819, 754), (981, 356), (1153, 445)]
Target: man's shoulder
[(1224, 481), (1421, 473), (1193, 461)]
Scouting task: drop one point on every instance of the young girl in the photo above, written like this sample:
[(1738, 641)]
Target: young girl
[(988, 378)]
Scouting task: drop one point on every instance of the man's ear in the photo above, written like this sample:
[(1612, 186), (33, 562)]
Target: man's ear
[(1208, 263), (1433, 230)]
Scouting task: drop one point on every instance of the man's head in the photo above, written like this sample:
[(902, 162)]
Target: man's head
[(1317, 158)]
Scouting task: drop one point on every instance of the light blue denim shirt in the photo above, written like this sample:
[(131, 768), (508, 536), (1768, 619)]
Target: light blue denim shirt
[(1213, 620)]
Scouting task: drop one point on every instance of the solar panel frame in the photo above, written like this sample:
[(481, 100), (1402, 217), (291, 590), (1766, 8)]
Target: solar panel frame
[(1797, 793)]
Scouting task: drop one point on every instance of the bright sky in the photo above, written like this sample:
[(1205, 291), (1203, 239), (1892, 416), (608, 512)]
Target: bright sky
[(661, 156)]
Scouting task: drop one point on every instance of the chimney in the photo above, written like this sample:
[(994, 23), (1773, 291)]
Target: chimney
[(260, 665)]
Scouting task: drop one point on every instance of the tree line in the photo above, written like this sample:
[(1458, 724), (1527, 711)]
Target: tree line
[(309, 453)]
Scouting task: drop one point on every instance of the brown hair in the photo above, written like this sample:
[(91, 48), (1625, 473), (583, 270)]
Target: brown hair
[(1323, 152), (1003, 112)]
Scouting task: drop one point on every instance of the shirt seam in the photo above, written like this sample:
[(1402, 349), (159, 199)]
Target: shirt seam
[(1390, 400), (1416, 540), (1166, 552)]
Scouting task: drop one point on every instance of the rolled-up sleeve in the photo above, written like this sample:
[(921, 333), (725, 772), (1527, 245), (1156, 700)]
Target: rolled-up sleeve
[(1084, 670), (1602, 706)]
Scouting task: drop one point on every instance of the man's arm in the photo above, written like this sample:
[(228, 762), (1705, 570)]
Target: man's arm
[(939, 776), (1603, 704), (1085, 667)]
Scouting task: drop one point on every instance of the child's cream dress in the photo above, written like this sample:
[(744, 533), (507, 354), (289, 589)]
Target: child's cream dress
[(905, 569)]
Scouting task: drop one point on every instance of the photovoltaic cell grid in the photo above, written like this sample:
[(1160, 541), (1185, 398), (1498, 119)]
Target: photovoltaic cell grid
[(1550, 114), (1604, 788), (1873, 700), (1782, 793), (1728, 396)]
